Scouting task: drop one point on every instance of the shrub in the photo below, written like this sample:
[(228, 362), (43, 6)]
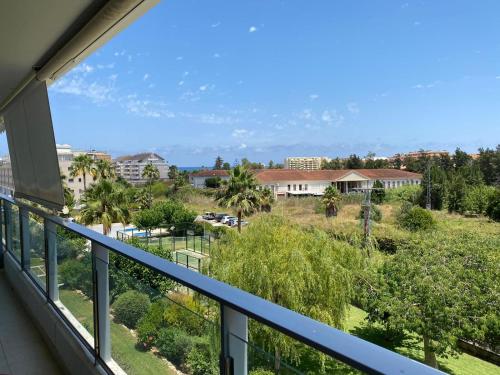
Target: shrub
[(416, 218), (378, 196), (213, 182), (493, 209), (77, 275), (261, 372), (174, 344), (476, 199), (405, 193), (375, 214), (130, 306), (200, 360), (184, 313), (149, 325)]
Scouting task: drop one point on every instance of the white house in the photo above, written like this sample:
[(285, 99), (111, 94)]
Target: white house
[(198, 179)]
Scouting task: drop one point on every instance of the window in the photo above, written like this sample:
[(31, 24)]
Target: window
[(300, 187), (288, 187), (294, 187), (70, 180), (79, 180), (305, 187)]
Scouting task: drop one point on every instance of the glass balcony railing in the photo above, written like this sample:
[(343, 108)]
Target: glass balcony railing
[(142, 314)]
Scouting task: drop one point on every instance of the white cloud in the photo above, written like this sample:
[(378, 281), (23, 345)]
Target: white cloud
[(331, 117), (78, 86), (252, 29), (242, 146), (151, 85), (113, 77), (313, 96), (83, 68), (241, 133), (497, 77), (216, 55), (147, 108), (179, 58), (217, 24), (418, 86), (121, 53), (416, 23), (146, 76), (353, 108), (180, 83), (106, 66), (203, 87)]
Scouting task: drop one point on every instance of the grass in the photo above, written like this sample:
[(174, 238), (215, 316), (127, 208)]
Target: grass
[(411, 346), (131, 360)]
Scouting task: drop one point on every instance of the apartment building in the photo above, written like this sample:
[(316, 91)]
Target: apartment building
[(131, 167), (308, 163), (65, 156)]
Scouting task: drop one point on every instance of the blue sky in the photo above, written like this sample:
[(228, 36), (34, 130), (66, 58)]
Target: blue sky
[(266, 79)]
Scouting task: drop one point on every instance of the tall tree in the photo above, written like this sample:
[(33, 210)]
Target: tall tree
[(104, 203), (440, 287), (460, 158), (81, 165), (266, 199), (378, 195), (354, 162), (331, 200), (301, 270), (151, 173), (239, 192), (218, 163), (489, 163), (103, 169), (173, 172), (332, 164)]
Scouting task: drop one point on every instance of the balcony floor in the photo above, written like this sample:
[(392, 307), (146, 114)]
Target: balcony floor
[(22, 349)]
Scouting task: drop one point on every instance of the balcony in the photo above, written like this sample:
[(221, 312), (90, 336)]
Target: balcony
[(36, 257)]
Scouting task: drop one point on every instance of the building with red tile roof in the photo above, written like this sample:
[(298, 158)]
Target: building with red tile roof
[(286, 182)]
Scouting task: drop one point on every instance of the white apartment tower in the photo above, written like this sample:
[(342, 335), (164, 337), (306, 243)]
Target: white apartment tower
[(307, 163)]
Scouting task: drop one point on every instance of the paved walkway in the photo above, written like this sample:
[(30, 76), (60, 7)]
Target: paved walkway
[(22, 349)]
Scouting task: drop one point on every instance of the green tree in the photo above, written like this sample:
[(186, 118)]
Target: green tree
[(460, 158), (226, 166), (331, 200), (493, 209), (442, 288), (378, 196), (476, 199), (354, 162), (213, 182), (438, 182), (148, 219), (151, 173), (102, 169), (489, 163), (239, 192), (301, 270), (218, 163), (173, 172), (266, 199), (456, 193), (332, 164), (104, 203), (81, 165)]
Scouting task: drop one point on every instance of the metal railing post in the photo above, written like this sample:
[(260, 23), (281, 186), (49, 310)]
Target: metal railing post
[(24, 229), (50, 233), (101, 288), (1, 234), (234, 336), (8, 225)]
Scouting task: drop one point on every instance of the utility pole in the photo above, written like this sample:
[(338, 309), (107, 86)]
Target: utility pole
[(428, 197)]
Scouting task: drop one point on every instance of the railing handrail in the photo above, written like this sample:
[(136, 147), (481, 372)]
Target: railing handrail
[(349, 349)]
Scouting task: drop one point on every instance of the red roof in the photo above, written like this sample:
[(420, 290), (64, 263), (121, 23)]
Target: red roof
[(269, 175), (210, 173)]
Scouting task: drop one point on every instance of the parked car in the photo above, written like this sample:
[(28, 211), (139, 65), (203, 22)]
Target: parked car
[(219, 217), (209, 216), (234, 222), (226, 219)]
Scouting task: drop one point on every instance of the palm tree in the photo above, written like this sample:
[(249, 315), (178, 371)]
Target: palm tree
[(331, 200), (69, 196), (266, 199), (105, 202), (239, 192), (152, 173), (103, 169), (81, 165)]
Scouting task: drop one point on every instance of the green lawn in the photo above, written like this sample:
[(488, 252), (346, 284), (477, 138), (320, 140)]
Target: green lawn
[(131, 360), (410, 346)]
